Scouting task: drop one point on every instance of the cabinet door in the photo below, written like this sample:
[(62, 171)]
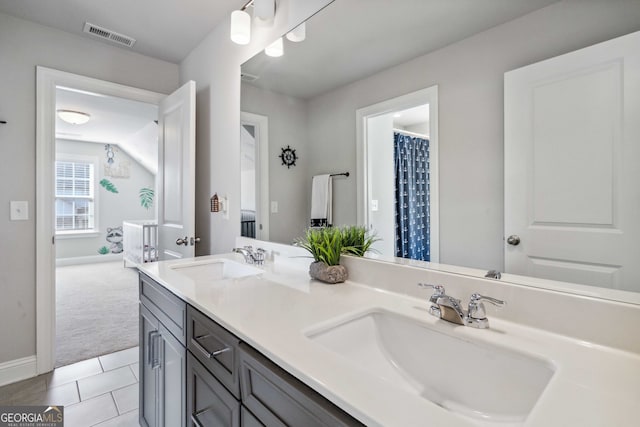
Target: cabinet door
[(172, 375), (209, 403), (149, 363)]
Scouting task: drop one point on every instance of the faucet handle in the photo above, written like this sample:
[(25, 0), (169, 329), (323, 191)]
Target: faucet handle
[(476, 315), (438, 290)]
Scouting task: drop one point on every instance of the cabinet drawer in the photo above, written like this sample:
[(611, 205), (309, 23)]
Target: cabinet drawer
[(168, 308), (247, 419), (215, 348), (208, 402), (276, 398)]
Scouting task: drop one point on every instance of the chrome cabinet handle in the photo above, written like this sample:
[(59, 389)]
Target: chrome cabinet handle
[(150, 347), (195, 415), (182, 241), (208, 354), (155, 362), (513, 240), (194, 240)]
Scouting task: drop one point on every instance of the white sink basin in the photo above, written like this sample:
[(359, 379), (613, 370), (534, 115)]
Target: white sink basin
[(215, 269), (474, 379)]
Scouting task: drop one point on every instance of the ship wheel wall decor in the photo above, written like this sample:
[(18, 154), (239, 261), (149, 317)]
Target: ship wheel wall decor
[(288, 156)]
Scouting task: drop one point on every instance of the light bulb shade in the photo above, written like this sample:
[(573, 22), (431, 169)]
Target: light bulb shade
[(298, 34), (240, 27), (264, 9), (73, 117), (275, 49)]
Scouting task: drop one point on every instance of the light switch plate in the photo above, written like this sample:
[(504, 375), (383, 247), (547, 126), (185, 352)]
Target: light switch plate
[(19, 210), (374, 205), (274, 206)]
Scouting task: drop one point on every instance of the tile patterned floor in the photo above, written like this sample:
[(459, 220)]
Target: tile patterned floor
[(101, 392)]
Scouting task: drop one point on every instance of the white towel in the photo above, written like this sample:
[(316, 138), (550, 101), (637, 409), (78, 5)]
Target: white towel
[(321, 201)]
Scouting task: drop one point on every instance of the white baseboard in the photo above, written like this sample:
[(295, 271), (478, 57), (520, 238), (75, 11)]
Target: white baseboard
[(17, 370), (61, 262)]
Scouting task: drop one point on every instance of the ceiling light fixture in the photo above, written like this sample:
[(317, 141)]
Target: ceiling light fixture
[(264, 10), (73, 117), (275, 49), (298, 34)]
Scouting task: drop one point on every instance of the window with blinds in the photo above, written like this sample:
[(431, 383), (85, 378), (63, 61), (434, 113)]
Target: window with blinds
[(74, 196)]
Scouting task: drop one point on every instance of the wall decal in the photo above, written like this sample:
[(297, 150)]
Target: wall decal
[(288, 156), (111, 153), (114, 237), (108, 185), (103, 250), (146, 197), (118, 170)]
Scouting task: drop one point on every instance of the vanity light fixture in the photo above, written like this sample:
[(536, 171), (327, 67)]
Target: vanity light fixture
[(298, 34), (264, 10), (240, 27), (73, 117), (275, 49)]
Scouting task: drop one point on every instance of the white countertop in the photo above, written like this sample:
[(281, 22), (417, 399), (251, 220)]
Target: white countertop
[(592, 386)]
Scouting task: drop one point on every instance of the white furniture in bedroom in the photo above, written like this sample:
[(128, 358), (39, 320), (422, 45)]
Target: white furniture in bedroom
[(140, 241)]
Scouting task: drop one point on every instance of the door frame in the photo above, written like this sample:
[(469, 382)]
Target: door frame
[(420, 97), (47, 80), (262, 164)]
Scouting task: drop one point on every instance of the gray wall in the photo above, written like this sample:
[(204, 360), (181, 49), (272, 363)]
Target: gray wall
[(23, 46), (215, 66), (112, 208), (288, 186), (469, 75)]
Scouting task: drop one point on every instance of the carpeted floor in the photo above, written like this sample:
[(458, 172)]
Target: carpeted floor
[(96, 310)]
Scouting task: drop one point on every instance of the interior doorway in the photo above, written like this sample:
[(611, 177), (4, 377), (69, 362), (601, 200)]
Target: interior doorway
[(254, 179), (48, 83), (398, 174), (106, 151)]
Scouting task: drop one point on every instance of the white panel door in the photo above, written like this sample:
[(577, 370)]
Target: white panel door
[(572, 166), (176, 173)]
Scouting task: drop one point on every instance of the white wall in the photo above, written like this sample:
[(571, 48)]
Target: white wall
[(112, 208), (215, 66), (382, 181), (23, 46), (469, 75), (288, 187)]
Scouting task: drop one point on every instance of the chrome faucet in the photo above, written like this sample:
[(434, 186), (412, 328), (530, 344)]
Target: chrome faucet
[(449, 308), (250, 256)]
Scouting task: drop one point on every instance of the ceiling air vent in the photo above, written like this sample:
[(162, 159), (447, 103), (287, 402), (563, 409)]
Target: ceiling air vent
[(109, 35), (248, 77)]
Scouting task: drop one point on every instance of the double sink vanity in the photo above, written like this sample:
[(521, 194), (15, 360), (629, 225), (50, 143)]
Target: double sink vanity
[(228, 343)]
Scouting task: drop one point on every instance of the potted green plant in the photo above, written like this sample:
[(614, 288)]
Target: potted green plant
[(356, 240), (325, 246)]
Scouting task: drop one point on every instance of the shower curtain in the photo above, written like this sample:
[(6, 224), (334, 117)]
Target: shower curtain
[(411, 155)]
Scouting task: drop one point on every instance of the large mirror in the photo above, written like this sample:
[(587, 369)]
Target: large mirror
[(357, 56)]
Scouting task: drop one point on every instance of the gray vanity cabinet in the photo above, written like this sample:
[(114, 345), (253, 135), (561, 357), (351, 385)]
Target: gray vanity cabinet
[(162, 357), (195, 373), (209, 403)]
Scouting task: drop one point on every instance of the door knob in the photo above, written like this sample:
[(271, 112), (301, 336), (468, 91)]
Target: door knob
[(182, 241), (194, 240), (513, 240)]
